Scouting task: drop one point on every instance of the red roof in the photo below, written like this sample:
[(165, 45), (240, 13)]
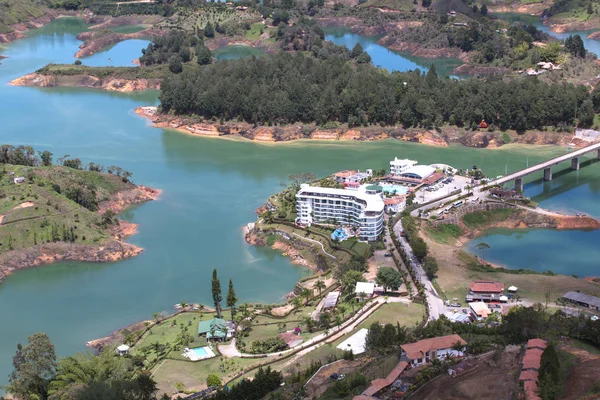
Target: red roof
[(433, 178), (289, 338), (541, 343), (532, 359), (528, 376), (418, 349), (530, 390), (393, 200), (378, 384), (487, 287), (344, 174)]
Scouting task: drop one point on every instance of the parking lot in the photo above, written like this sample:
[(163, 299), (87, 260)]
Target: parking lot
[(442, 189)]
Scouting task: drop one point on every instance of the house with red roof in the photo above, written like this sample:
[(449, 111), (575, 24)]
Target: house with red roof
[(486, 291), (427, 350)]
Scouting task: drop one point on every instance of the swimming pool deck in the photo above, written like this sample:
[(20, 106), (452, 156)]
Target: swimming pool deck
[(193, 356)]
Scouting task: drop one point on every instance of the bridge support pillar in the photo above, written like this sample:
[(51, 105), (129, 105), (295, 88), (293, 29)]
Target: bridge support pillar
[(548, 174), (575, 163), (519, 184)]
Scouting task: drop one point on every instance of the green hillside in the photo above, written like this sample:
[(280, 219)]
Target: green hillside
[(16, 11), (54, 204)]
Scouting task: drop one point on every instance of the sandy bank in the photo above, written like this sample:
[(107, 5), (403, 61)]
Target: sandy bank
[(565, 26), (113, 250), (87, 81), (122, 20), (523, 219), (285, 133)]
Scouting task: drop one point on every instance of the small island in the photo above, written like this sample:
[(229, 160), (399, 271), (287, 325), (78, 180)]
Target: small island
[(63, 211)]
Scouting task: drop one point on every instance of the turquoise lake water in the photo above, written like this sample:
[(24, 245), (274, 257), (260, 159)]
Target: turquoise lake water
[(211, 189), (389, 59)]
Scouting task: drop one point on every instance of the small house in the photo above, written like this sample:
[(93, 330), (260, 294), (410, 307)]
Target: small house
[(216, 328), (485, 291), (583, 300), (479, 310), (122, 350), (452, 13), (483, 124), (438, 348), (395, 204), (19, 179), (364, 287), (343, 175), (291, 339), (331, 300)]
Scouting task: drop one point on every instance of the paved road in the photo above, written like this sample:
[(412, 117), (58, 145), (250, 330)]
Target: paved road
[(436, 304), (546, 164)]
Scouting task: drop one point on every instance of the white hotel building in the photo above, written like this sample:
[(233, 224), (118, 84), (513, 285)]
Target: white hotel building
[(363, 208), (400, 166)]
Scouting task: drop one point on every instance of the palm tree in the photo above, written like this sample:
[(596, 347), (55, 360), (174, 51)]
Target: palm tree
[(306, 293), (308, 321), (342, 308), (183, 305), (320, 285), (362, 296), (156, 316), (296, 302)]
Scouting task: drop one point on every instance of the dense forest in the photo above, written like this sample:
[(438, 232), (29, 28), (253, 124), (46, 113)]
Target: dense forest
[(492, 40), (288, 88)]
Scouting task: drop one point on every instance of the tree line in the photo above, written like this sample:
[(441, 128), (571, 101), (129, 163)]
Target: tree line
[(286, 88)]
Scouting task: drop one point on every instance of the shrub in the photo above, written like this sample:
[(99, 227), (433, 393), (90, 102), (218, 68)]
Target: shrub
[(213, 380)]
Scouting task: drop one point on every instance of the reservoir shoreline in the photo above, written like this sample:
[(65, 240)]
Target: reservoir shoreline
[(286, 133), (113, 250)]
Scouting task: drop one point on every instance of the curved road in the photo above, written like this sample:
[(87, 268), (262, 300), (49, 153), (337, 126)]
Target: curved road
[(436, 304)]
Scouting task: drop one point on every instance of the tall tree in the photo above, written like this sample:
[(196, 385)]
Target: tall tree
[(209, 31), (35, 368), (216, 292), (389, 278), (320, 286), (231, 298)]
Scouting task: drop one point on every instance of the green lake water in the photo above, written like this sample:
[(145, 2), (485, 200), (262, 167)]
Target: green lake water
[(211, 188), (234, 52)]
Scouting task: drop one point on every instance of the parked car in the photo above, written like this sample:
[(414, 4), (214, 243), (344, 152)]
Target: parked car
[(387, 255)]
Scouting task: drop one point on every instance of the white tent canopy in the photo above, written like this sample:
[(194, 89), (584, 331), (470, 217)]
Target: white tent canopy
[(503, 298), (123, 347), (512, 289)]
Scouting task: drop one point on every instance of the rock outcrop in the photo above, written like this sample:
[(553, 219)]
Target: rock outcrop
[(87, 81)]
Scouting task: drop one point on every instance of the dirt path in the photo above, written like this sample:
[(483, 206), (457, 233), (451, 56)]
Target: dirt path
[(229, 350)]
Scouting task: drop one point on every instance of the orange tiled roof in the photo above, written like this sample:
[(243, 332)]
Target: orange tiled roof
[(418, 349), (487, 287), (528, 376), (541, 343), (532, 359), (344, 174)]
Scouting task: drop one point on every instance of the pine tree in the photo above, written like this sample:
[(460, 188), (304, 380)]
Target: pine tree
[(231, 298), (209, 31), (216, 292)]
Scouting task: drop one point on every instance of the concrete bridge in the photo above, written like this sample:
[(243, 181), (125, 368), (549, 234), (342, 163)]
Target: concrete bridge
[(546, 166)]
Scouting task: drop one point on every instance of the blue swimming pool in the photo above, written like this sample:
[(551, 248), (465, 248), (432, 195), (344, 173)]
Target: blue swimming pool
[(200, 352), (339, 234), (395, 188)]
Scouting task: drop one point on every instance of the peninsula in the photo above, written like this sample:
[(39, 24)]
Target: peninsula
[(64, 211)]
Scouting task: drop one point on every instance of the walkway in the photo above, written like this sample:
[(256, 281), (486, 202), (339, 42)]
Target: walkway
[(332, 335), (315, 241)]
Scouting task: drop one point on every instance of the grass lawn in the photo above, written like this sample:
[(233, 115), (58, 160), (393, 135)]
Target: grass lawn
[(193, 374), (255, 31), (483, 218), (444, 233), (405, 315)]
